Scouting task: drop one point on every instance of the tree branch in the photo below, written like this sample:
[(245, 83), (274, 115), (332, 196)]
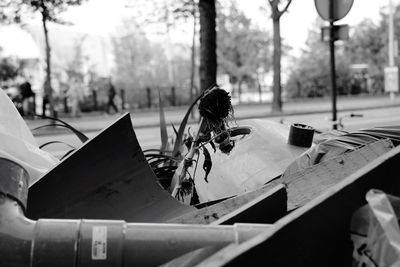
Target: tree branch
[(285, 8)]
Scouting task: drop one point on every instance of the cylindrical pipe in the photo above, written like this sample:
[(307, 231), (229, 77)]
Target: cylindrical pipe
[(101, 243), (300, 135), (55, 242), (14, 181), (154, 244), (74, 243), (63, 243), (143, 241), (16, 233)]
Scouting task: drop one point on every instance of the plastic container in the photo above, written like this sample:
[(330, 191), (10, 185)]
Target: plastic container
[(301, 135)]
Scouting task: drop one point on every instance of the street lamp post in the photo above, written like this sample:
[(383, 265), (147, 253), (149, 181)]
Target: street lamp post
[(333, 10), (391, 38), (391, 71), (391, 50), (333, 70)]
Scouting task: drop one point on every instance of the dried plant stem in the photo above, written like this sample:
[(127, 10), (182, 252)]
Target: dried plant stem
[(187, 161)]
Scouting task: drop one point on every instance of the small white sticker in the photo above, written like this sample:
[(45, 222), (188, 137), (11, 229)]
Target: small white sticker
[(99, 243)]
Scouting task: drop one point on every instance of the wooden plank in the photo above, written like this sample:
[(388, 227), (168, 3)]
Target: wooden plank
[(266, 208), (107, 178), (276, 208), (317, 234), (307, 184)]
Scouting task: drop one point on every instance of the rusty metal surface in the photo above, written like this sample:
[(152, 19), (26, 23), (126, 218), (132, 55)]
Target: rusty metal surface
[(255, 160), (107, 178)]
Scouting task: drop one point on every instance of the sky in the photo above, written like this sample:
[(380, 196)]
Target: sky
[(302, 14), (103, 16)]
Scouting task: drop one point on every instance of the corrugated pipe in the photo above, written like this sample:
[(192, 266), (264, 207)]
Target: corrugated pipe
[(50, 242)]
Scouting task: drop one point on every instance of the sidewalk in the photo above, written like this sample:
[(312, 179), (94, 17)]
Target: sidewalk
[(94, 122)]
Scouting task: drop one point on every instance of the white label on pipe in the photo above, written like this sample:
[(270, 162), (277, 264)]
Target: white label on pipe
[(99, 243)]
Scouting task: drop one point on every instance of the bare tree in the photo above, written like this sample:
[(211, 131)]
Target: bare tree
[(276, 16), (49, 10), (11, 11)]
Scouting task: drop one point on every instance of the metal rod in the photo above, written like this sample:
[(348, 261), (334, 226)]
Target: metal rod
[(332, 61)]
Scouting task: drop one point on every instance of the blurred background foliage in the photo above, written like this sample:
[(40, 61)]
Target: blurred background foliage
[(141, 63)]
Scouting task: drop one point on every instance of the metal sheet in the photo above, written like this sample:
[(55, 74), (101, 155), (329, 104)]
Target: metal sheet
[(107, 178), (256, 159)]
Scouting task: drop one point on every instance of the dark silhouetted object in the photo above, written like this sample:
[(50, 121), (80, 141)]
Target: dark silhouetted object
[(94, 98), (111, 96), (27, 97), (65, 100), (173, 96), (300, 135), (148, 92), (44, 104), (122, 93)]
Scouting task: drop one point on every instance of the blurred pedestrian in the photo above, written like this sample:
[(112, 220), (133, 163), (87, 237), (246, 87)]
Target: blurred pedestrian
[(28, 99), (122, 99), (45, 103), (64, 98), (111, 97), (75, 96)]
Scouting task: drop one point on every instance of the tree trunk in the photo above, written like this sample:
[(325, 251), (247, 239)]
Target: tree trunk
[(193, 58), (48, 90), (208, 35), (276, 16), (277, 90)]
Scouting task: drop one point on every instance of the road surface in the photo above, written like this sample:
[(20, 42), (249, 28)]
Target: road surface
[(150, 137)]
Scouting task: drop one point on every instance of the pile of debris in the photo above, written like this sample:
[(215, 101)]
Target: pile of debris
[(267, 201)]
